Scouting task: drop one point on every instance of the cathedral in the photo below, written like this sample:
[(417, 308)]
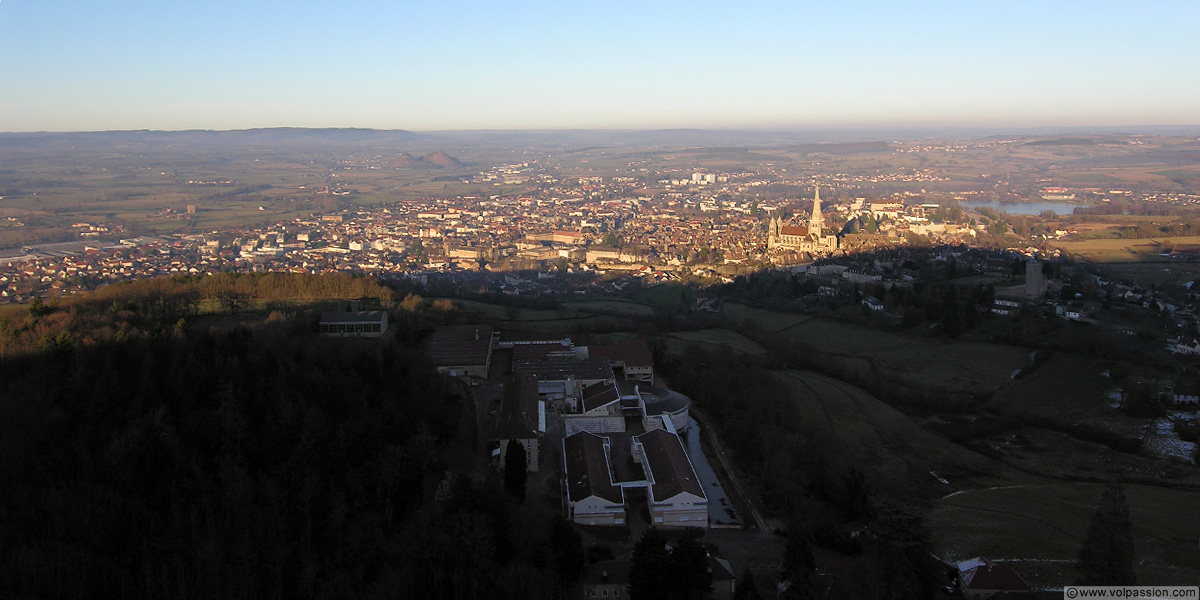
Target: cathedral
[(811, 239)]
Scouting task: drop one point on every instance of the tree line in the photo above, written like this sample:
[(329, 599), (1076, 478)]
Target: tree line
[(264, 462)]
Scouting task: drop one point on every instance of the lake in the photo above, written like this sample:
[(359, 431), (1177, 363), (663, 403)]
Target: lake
[(1024, 208)]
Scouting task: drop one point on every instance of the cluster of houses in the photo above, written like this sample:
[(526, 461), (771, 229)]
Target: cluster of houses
[(621, 435)]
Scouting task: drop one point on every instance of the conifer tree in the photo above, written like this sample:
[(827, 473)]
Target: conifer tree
[(1107, 554), (515, 469), (649, 575)]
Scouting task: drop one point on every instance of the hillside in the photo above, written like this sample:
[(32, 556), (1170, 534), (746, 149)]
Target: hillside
[(433, 160)]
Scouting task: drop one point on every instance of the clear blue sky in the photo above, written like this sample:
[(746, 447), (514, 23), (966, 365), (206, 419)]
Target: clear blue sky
[(71, 65)]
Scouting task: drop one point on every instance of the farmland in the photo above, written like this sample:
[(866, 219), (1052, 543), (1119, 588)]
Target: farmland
[(1041, 525), (1066, 383), (1010, 482), (1125, 250), (878, 436), (719, 339), (959, 366)]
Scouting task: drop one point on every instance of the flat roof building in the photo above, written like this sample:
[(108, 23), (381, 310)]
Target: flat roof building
[(371, 323)]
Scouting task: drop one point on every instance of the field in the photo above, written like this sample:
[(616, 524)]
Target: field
[(668, 295), (1043, 524), (768, 320), (970, 367), (1053, 455), (879, 437), (614, 307), (548, 320), (1125, 250), (1023, 493), (1064, 384), (716, 339), (1158, 274)]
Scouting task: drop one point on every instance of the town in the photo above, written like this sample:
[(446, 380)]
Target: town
[(770, 369)]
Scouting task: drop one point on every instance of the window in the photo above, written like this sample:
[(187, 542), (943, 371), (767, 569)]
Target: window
[(604, 593)]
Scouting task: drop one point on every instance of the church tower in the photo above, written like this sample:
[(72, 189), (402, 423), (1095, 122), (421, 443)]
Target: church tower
[(815, 223)]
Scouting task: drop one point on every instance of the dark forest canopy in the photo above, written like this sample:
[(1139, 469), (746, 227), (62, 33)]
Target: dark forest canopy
[(250, 462), (242, 464), (150, 304)]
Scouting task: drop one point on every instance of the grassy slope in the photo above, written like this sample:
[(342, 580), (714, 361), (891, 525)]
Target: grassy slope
[(878, 437), (1041, 519), (953, 365), (677, 343), (1065, 383), (1043, 524)]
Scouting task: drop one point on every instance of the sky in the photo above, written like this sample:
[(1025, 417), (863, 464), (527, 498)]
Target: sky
[(76, 65)]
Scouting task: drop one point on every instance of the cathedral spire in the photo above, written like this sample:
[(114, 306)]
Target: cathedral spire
[(815, 223)]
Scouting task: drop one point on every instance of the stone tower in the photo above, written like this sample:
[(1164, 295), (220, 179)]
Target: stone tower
[(1035, 282), (816, 222)]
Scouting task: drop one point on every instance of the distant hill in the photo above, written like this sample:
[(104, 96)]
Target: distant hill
[(261, 140), (840, 149), (433, 160)]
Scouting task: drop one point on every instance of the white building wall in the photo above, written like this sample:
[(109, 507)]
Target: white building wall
[(597, 511), (682, 510)]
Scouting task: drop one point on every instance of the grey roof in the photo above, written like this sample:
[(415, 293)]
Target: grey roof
[(518, 418), (460, 345), (630, 352), (599, 395), (557, 369), (585, 466), (669, 464), (536, 337), (368, 316), (542, 352)]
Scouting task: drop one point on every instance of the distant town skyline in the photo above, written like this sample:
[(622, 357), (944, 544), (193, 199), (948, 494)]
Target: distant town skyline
[(84, 66)]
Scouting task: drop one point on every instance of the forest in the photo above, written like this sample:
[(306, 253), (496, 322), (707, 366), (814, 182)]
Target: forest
[(255, 461)]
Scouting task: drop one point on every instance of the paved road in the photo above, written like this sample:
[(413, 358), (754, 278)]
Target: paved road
[(758, 551)]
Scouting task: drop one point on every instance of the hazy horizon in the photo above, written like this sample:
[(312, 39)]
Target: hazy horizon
[(79, 66)]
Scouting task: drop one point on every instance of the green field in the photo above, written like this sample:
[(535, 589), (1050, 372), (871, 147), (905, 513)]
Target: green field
[(971, 367), (615, 307), (880, 438), (547, 320), (1065, 383), (1124, 250), (716, 339), (1054, 455), (669, 295), (1043, 524), (1173, 274), (768, 320), (509, 313)]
